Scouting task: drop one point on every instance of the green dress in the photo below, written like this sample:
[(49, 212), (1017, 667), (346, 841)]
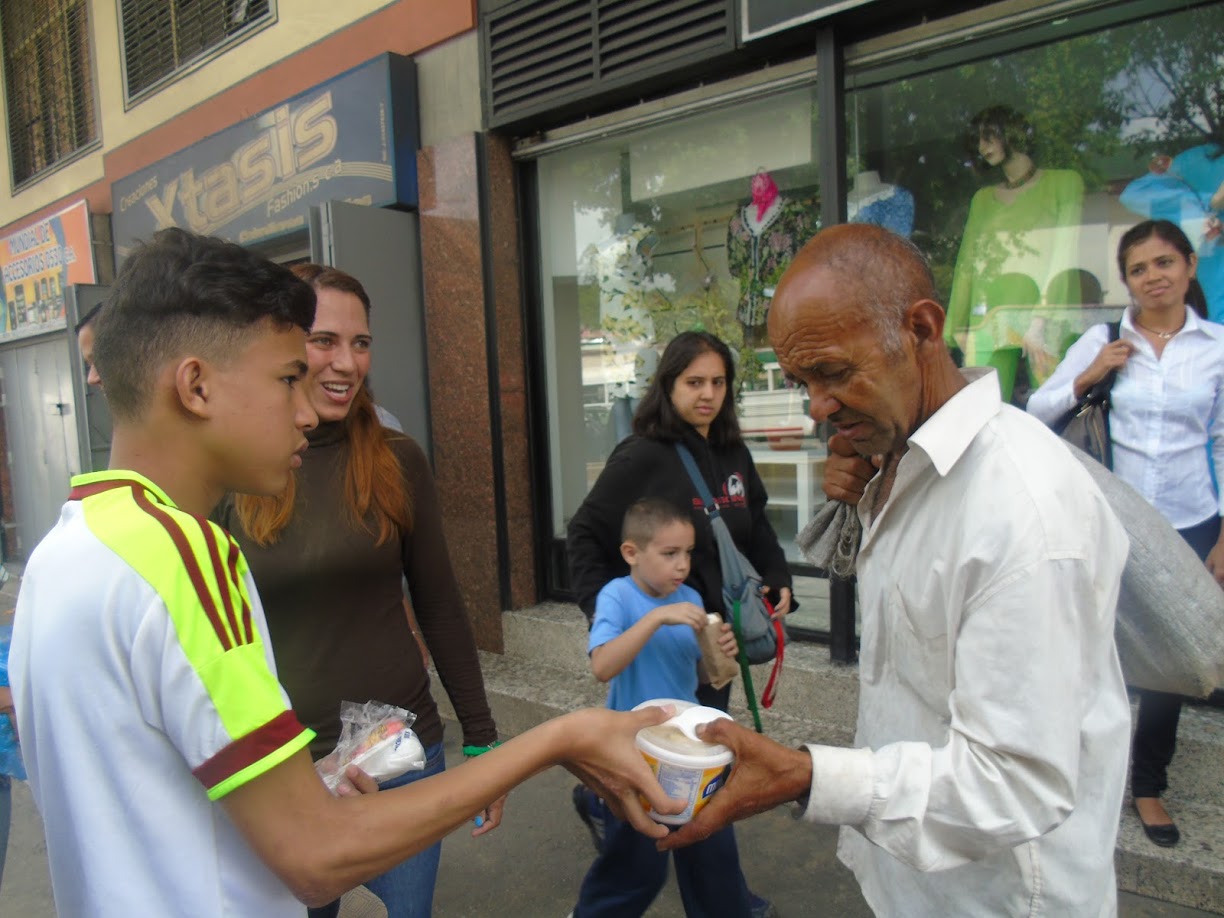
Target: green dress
[(1014, 255)]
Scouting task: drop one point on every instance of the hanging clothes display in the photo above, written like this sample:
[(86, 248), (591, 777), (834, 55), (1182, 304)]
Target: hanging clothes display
[(763, 237), (879, 203)]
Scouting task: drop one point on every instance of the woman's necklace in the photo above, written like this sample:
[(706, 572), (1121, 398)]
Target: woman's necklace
[(1162, 335), (1024, 179)]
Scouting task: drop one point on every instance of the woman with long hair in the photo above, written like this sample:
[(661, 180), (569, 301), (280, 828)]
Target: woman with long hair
[(691, 401), (329, 557), (1166, 427)]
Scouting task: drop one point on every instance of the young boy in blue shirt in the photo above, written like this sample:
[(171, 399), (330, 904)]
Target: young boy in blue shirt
[(644, 643)]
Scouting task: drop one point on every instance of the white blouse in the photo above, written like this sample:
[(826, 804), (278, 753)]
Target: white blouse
[(1163, 414)]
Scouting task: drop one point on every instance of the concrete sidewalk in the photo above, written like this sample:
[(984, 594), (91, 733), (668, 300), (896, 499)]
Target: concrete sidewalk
[(532, 866)]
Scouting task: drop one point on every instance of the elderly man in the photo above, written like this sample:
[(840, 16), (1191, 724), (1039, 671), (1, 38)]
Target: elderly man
[(993, 719)]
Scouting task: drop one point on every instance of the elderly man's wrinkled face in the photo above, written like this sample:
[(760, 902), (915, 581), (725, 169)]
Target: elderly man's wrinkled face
[(869, 393)]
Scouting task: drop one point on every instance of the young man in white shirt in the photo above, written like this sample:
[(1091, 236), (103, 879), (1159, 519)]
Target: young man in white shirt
[(993, 719), (171, 774)]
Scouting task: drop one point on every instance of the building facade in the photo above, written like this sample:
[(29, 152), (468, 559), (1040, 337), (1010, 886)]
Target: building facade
[(562, 185)]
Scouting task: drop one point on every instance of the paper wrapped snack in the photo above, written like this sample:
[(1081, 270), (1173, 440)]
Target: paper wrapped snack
[(375, 737), (715, 667)]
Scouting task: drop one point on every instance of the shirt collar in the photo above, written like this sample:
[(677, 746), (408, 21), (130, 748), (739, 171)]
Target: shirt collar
[(120, 477), (947, 433), (1193, 322)]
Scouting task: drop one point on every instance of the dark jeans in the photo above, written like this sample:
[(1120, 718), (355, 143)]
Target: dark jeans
[(1156, 726), (714, 698), (630, 871), (407, 889)]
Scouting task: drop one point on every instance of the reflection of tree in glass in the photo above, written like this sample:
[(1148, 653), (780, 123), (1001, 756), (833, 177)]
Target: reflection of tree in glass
[(1176, 81), (918, 127)]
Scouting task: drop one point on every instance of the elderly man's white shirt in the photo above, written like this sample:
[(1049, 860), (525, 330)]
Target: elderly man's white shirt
[(993, 719)]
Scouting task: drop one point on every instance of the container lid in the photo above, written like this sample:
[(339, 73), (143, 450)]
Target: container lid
[(672, 736)]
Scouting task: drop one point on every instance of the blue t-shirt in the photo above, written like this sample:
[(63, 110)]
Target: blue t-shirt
[(666, 667)]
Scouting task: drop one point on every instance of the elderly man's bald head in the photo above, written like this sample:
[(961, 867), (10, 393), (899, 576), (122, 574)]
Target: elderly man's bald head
[(877, 270), (855, 321)]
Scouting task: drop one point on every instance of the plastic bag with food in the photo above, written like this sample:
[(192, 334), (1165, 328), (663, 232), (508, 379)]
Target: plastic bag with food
[(375, 737)]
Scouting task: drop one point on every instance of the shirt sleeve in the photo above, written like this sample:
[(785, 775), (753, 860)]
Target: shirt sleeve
[(610, 618), (220, 706), (1008, 769), (1057, 395), (1215, 438), (765, 552)]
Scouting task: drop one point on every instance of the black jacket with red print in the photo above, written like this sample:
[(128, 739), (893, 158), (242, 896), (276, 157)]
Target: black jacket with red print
[(641, 467)]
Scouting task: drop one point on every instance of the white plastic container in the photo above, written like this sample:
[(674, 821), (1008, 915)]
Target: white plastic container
[(687, 769)]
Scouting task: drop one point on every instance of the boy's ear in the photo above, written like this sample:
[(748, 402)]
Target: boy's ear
[(193, 386), (629, 552)]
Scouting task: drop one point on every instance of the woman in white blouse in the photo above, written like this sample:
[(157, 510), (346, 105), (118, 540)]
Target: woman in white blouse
[(1166, 425)]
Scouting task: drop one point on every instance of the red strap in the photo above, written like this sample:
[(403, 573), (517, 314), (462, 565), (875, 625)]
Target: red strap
[(771, 687)]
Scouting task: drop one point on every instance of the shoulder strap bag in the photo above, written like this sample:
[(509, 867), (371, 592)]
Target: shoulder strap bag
[(760, 636), (1087, 424)]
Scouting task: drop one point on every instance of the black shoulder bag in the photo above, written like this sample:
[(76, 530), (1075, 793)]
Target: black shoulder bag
[(1087, 424)]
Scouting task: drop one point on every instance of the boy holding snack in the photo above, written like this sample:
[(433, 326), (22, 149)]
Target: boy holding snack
[(145, 688), (644, 643)]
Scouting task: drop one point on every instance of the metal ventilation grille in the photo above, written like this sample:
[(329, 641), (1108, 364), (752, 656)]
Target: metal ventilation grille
[(542, 52), (49, 82), (162, 37)]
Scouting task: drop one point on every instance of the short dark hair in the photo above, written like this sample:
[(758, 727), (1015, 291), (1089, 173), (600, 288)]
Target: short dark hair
[(657, 419), (1170, 232), (1001, 122), (180, 292), (647, 516)]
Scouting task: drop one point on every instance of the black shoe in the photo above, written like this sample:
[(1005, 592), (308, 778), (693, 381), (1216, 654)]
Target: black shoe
[(590, 811), (1164, 834)]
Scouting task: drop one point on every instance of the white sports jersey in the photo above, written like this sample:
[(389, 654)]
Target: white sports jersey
[(145, 692)]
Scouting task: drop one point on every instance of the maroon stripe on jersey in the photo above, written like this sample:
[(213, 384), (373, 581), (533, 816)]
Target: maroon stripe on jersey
[(223, 585), (247, 750), (207, 601), (234, 554), (80, 492)]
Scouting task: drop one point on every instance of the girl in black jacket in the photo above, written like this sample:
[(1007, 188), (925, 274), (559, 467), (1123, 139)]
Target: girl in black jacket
[(689, 401)]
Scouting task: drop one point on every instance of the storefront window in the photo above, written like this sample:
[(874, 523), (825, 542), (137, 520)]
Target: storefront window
[(1020, 172), (657, 232), (1015, 163)]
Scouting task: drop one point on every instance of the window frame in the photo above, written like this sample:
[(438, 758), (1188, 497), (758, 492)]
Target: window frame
[(131, 100), (85, 149)]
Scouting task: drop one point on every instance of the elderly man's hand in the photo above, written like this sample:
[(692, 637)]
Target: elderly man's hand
[(765, 774), (846, 472)]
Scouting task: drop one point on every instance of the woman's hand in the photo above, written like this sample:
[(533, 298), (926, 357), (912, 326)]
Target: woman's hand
[(491, 817), (1215, 562), (1111, 357), (783, 605)]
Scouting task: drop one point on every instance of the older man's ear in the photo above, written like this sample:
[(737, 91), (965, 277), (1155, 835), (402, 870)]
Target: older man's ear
[(926, 321)]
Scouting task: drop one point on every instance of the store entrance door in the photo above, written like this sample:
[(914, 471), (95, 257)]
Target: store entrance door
[(40, 418)]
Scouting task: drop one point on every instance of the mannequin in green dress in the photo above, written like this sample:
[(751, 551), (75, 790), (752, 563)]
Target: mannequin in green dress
[(1020, 239)]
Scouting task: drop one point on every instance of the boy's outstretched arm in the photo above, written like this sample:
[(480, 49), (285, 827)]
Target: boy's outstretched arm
[(322, 846)]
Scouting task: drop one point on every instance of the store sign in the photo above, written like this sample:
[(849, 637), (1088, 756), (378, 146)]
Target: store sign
[(764, 17), (353, 138), (36, 264)]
